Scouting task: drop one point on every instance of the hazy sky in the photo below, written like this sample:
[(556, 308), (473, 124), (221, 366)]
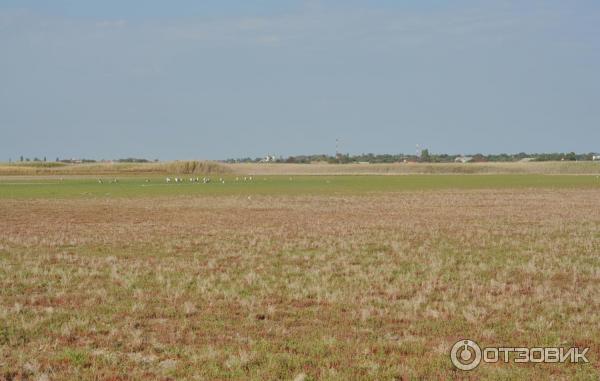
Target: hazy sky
[(219, 79)]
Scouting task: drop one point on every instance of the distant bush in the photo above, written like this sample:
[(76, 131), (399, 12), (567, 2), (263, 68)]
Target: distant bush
[(195, 167), (133, 160), (39, 164)]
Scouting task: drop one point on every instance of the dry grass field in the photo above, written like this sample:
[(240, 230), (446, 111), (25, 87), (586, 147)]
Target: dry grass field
[(546, 167), (331, 286), (130, 169), (182, 167)]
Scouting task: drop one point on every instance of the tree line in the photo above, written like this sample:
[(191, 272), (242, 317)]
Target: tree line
[(425, 157)]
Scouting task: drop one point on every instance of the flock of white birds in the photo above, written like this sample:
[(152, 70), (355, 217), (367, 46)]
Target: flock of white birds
[(204, 180)]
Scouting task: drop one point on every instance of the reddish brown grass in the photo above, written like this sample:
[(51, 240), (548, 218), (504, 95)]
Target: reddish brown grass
[(277, 287)]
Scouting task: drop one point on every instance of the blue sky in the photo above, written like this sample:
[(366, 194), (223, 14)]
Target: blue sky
[(213, 80)]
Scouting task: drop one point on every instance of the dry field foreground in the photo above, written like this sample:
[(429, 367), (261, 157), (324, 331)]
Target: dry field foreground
[(277, 287)]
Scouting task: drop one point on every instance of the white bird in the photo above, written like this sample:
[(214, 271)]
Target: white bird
[(99, 181), (168, 179)]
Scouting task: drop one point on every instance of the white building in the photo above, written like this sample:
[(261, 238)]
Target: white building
[(269, 159), (463, 159)]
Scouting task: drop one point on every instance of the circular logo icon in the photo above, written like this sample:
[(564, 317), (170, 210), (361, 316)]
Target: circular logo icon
[(465, 354)]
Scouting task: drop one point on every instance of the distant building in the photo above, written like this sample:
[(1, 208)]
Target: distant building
[(463, 159), (596, 157)]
